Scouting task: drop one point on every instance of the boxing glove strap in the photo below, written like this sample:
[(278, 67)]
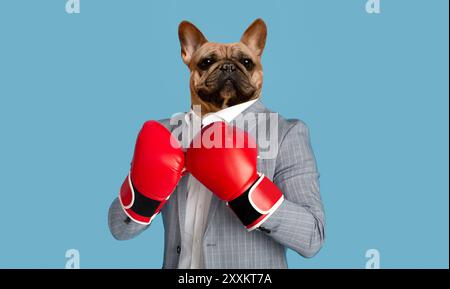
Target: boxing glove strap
[(143, 205), (257, 203), (243, 209)]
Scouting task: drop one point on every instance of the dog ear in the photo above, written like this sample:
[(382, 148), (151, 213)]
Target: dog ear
[(255, 36), (191, 39)]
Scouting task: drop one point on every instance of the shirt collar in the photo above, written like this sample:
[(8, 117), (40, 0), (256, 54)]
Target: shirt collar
[(226, 114)]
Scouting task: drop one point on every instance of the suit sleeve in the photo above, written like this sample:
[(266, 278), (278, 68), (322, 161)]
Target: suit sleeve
[(122, 227), (299, 222)]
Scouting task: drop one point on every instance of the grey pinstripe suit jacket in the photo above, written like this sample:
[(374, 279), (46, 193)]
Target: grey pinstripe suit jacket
[(297, 224)]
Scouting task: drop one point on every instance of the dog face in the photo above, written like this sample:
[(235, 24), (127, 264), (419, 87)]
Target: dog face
[(223, 75)]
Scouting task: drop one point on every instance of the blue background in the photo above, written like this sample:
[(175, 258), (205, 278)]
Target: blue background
[(75, 89)]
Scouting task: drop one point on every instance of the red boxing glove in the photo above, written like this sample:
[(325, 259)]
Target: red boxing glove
[(156, 168), (224, 159)]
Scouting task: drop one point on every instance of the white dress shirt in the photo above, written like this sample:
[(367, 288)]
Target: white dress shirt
[(199, 197)]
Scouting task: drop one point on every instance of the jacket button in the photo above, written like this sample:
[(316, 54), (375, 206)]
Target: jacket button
[(178, 249)]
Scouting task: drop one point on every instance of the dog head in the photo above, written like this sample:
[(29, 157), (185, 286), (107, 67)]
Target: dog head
[(223, 75)]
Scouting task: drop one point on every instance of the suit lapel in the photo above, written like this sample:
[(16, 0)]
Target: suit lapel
[(181, 201), (215, 202)]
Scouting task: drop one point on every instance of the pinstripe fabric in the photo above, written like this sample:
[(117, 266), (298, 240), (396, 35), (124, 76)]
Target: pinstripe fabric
[(297, 224)]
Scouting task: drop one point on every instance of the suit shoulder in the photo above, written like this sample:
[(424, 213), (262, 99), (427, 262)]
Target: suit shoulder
[(290, 125), (286, 125), (165, 122), (169, 123)]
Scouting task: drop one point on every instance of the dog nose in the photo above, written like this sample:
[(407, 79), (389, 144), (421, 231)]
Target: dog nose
[(228, 67)]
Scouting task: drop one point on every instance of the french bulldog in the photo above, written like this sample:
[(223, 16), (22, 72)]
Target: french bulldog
[(223, 74)]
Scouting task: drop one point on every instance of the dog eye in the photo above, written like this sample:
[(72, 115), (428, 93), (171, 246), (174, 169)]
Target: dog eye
[(206, 63), (248, 63)]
